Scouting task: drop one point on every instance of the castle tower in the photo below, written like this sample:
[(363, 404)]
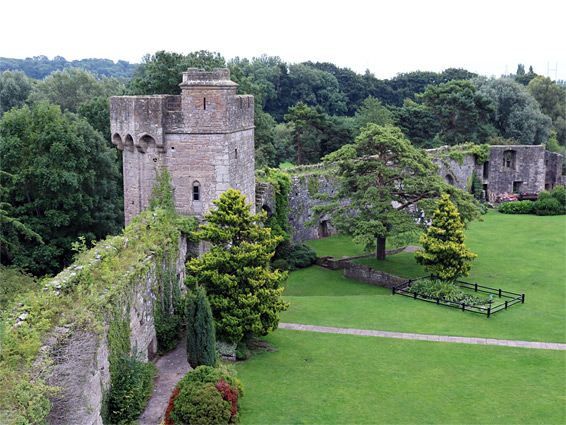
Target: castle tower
[(203, 137)]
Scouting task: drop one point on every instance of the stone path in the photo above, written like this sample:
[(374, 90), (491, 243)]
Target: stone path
[(440, 338), (172, 367)]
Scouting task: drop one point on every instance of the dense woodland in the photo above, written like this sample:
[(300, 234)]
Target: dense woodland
[(55, 130)]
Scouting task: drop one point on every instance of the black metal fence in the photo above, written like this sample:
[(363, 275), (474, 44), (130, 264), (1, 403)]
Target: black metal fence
[(507, 299)]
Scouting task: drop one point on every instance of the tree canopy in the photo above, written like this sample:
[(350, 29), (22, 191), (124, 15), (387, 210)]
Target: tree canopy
[(381, 176), (244, 294), (516, 114), (64, 185)]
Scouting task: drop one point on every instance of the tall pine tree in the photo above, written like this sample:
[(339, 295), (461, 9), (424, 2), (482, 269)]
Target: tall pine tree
[(445, 256)]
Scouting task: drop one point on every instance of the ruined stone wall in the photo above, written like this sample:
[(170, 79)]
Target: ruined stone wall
[(81, 365), (301, 201), (203, 137)]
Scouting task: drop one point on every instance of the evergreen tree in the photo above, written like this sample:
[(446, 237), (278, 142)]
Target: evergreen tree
[(201, 337), (445, 256), (244, 294)]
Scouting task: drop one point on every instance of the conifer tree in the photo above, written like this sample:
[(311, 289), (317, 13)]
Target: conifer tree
[(445, 256), (244, 294), (201, 337)]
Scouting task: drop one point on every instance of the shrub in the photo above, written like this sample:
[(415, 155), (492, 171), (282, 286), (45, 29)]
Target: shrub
[(545, 194), (242, 351), (520, 207), (280, 264), (130, 389), (206, 396), (547, 206), (301, 256), (559, 193), (448, 291)]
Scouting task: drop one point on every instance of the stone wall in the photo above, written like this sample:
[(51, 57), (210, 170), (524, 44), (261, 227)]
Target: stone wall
[(81, 366), (366, 274), (203, 137)]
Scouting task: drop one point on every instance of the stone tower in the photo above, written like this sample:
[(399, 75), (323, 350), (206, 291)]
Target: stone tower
[(203, 137)]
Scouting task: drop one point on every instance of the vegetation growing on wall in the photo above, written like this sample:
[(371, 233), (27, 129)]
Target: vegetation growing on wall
[(80, 296), (459, 152)]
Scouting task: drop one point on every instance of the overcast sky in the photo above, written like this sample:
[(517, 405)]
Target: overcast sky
[(489, 37)]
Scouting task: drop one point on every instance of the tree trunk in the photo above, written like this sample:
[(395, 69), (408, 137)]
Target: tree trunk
[(380, 255)]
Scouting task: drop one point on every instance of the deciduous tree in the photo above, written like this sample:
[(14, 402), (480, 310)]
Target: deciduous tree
[(64, 183), (244, 294), (552, 100), (516, 114)]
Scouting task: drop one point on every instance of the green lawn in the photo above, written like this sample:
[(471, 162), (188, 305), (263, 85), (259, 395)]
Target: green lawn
[(316, 378), (523, 254)]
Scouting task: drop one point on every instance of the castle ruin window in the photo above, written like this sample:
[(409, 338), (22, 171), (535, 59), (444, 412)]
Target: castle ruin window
[(204, 103), (235, 153), (486, 169), (517, 187), (509, 158), (449, 179), (196, 191)]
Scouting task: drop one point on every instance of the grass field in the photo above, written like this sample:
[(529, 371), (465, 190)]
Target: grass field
[(523, 254), (342, 379)]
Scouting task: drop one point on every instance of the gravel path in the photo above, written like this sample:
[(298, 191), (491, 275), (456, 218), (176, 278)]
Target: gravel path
[(172, 367), (439, 338)]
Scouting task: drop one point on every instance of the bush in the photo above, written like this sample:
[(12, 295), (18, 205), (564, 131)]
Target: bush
[(131, 387), (280, 264), (206, 396), (547, 206), (520, 207), (448, 291), (559, 193), (242, 351), (545, 194), (301, 256)]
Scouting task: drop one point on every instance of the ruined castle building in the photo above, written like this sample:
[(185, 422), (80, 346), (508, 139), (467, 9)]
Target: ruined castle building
[(203, 137)]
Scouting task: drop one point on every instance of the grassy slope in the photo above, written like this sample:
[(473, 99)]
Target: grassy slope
[(524, 254)]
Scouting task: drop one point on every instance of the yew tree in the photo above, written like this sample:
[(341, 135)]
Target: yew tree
[(445, 255), (244, 293), (380, 177)]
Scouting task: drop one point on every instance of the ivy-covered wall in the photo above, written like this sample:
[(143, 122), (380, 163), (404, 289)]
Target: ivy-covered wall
[(67, 323)]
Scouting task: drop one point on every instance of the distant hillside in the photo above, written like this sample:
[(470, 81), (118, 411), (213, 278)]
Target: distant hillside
[(39, 67)]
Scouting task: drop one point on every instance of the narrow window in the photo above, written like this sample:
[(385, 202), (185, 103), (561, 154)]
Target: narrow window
[(196, 191), (509, 159), (235, 153), (486, 169), (204, 103)]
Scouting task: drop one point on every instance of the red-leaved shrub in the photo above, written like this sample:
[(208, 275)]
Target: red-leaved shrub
[(229, 394), (170, 406)]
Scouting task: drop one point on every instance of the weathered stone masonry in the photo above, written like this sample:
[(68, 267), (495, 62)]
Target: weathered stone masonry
[(203, 137)]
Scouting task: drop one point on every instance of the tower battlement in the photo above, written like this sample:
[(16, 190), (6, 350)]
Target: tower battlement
[(204, 137)]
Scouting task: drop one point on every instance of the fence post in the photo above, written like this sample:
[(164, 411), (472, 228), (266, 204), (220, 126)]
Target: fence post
[(438, 300), (523, 299), (463, 306), (476, 287), (393, 290), (499, 292), (488, 312), (505, 304), (415, 295)]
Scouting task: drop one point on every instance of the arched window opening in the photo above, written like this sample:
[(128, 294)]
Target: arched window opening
[(449, 179), (196, 191)]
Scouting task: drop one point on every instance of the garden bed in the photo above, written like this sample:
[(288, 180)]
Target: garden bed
[(506, 298)]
